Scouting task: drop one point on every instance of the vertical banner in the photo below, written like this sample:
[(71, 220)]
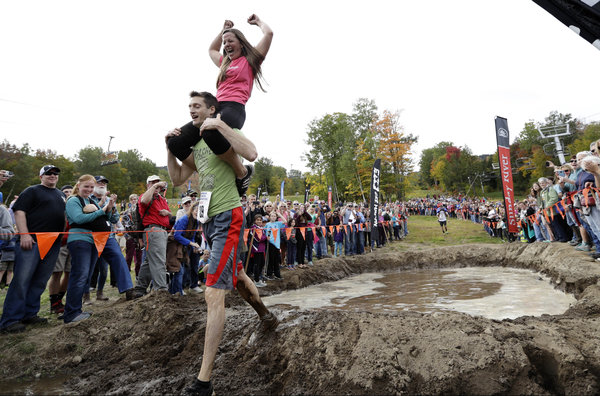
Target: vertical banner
[(502, 139), (282, 198), (329, 197), (374, 207), (306, 192)]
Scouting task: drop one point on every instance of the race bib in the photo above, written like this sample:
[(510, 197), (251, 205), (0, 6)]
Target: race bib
[(203, 203)]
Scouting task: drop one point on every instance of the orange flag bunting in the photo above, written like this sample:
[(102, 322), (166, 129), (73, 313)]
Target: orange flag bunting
[(45, 241), (246, 232), (324, 230), (288, 232), (346, 228), (331, 229), (100, 239), (259, 233), (303, 232), (275, 230), (337, 228)]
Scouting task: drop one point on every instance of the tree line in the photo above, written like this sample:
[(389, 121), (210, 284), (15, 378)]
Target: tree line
[(343, 148), (125, 177), (456, 169)]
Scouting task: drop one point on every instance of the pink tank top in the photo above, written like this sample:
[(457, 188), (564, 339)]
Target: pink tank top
[(237, 87)]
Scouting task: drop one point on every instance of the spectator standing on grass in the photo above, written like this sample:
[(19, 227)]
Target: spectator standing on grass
[(185, 231), (59, 281), (348, 219), (112, 254), (155, 213), (283, 215), (257, 250), (133, 248), (304, 240), (8, 241), (274, 228), (39, 208), (292, 244)]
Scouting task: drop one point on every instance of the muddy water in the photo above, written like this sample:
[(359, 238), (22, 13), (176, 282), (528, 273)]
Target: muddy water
[(41, 386), (492, 292)]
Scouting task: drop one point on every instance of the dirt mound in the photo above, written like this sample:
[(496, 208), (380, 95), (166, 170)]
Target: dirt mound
[(154, 345)]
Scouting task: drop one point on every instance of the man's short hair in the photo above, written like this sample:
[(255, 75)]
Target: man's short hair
[(209, 99)]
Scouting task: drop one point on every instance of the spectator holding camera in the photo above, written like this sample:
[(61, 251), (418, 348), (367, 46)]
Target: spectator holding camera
[(253, 208), (155, 213)]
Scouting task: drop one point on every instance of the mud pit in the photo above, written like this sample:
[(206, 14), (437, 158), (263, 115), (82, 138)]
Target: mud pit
[(154, 345)]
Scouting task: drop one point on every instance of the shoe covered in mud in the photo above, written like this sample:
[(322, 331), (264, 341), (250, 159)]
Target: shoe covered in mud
[(13, 328), (86, 299), (100, 296), (269, 322), (584, 247), (197, 289), (200, 388), (243, 183), (80, 317), (34, 320)]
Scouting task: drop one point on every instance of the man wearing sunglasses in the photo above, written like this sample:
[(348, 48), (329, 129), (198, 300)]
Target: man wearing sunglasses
[(39, 208)]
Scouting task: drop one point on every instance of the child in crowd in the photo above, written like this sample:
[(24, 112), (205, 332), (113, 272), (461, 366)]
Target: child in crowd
[(257, 250), (291, 244), (274, 228), (203, 265)]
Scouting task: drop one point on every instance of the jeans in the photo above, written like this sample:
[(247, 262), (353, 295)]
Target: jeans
[(102, 269), (338, 249), (291, 253), (176, 285), (348, 241), (192, 278), (83, 257), (321, 247), (31, 274), (114, 257), (584, 220)]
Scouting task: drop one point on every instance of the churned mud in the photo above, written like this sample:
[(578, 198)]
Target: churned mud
[(154, 345)]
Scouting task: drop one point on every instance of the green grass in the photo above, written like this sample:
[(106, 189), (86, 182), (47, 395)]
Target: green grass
[(425, 232)]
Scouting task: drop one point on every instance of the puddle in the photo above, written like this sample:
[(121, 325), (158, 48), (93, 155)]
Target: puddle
[(491, 292), (42, 386)]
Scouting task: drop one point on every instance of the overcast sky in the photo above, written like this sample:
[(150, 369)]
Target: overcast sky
[(74, 73)]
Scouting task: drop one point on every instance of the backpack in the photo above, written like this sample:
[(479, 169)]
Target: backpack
[(138, 220)]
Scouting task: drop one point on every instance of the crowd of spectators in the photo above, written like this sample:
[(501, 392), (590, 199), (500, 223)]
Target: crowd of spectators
[(169, 251)]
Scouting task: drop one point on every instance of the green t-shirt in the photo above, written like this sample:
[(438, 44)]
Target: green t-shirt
[(216, 176)]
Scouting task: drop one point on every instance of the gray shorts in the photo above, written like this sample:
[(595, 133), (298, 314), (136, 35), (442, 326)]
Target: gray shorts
[(7, 265), (224, 234), (63, 262)]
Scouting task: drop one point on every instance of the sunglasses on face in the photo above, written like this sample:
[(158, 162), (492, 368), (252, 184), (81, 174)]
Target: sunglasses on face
[(51, 174)]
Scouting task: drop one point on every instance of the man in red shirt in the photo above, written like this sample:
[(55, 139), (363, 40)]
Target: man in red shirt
[(155, 214)]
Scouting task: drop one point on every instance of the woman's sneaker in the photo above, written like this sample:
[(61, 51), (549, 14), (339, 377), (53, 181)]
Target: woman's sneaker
[(243, 183), (584, 247)]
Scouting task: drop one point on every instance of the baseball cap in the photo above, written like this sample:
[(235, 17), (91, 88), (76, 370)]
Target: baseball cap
[(65, 187), (152, 178), (47, 168), (101, 179), (185, 200)]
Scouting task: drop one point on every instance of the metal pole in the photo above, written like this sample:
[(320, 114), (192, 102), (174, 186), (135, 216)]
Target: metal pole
[(559, 150)]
